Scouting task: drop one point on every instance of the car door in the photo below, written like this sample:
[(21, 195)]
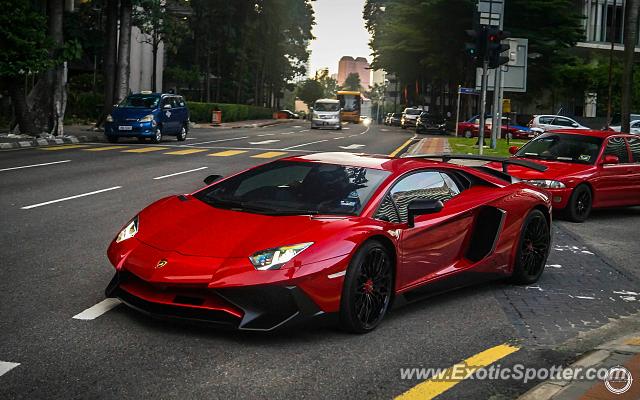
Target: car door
[(634, 192), (167, 114), (435, 241), (613, 180)]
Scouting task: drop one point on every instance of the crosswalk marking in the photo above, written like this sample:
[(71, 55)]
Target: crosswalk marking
[(105, 148), (269, 154), (98, 309), (227, 153), (145, 150), (64, 147), (185, 152), (7, 366)]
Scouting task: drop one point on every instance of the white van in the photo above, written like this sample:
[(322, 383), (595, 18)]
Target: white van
[(326, 114)]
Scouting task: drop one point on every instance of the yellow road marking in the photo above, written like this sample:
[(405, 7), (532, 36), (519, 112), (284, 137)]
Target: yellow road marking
[(633, 341), (64, 147), (227, 153), (145, 150), (185, 152), (269, 154), (399, 149), (104, 148), (452, 376)]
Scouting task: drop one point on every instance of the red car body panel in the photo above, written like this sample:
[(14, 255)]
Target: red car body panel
[(206, 249), (614, 185)]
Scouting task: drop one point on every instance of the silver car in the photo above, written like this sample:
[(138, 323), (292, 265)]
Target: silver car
[(326, 114)]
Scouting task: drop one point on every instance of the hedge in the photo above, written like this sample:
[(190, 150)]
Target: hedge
[(201, 112)]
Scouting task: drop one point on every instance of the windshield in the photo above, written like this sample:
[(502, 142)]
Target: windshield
[(140, 101), (412, 111), (349, 102), (296, 188), (324, 107), (562, 147)]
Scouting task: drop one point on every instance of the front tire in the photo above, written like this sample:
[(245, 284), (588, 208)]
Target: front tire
[(157, 138), (182, 136), (533, 249), (580, 202), (367, 289), (468, 134)]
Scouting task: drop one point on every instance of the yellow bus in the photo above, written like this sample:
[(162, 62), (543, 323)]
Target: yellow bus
[(351, 105)]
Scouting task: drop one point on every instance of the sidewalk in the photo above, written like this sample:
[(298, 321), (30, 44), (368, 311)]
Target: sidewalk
[(624, 351), (430, 145)]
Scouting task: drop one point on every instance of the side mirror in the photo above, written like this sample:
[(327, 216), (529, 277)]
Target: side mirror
[(611, 159), (575, 125), (513, 150), (167, 106), (422, 207), (211, 178)]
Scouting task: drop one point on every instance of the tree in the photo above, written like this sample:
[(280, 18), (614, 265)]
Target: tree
[(161, 25), (630, 39), (109, 57), (124, 52), (25, 51), (352, 82), (310, 91)]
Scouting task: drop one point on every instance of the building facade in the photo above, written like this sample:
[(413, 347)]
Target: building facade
[(359, 65)]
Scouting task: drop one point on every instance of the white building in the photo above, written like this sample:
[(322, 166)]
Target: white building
[(599, 18)]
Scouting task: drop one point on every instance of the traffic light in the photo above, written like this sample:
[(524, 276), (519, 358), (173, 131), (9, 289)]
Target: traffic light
[(477, 49), (495, 48)]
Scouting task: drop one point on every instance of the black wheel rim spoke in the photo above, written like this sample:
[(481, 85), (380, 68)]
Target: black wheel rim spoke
[(535, 246), (373, 285)]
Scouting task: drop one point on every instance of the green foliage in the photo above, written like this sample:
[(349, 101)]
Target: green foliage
[(310, 91), (184, 76), (158, 20), (352, 82), (24, 42), (84, 105), (202, 112)]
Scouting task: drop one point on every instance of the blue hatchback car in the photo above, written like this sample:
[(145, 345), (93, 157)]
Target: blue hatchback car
[(148, 115)]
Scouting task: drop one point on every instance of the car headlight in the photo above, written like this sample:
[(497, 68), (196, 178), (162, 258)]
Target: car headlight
[(147, 118), (276, 257), (128, 231), (109, 118), (546, 184)]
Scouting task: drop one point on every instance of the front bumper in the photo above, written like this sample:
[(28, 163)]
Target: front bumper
[(129, 129), (255, 308), (408, 122), (325, 123)]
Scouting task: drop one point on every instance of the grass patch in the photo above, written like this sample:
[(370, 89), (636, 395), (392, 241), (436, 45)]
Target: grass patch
[(468, 146)]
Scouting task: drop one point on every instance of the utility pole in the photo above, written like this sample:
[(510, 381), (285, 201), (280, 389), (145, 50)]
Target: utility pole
[(483, 105)]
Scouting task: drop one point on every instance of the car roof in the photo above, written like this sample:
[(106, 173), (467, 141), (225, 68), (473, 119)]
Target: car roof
[(588, 132)]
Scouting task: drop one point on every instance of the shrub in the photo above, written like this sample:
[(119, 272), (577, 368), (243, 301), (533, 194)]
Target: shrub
[(201, 112)]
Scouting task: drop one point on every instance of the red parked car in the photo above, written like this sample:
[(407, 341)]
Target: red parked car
[(328, 234), (586, 169), (470, 129)]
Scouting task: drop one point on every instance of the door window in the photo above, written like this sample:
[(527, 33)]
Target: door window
[(546, 120), (617, 146), (563, 122), (634, 145), (427, 185)]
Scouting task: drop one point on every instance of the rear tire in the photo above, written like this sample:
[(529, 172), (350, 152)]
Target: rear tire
[(533, 249), (367, 288), (580, 202)]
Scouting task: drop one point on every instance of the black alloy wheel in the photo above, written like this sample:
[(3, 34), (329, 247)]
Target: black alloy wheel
[(367, 289), (533, 250), (580, 203)]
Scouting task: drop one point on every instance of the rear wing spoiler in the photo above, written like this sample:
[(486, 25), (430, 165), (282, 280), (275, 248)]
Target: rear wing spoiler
[(502, 160)]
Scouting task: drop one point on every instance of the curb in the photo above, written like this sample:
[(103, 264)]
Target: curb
[(42, 142), (616, 352)]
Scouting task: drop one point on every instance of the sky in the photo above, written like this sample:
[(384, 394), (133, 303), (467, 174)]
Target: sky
[(339, 31)]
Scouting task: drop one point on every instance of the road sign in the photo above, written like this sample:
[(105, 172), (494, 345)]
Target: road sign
[(515, 76), (506, 106), (464, 90), (491, 12)]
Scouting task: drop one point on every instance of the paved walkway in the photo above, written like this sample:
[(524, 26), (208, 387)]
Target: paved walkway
[(431, 145)]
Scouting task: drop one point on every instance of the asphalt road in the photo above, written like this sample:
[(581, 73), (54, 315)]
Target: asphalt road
[(54, 267)]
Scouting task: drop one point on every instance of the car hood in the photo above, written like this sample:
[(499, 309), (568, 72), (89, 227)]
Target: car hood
[(195, 228), (555, 170), (126, 112)]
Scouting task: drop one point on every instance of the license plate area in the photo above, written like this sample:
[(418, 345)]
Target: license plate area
[(125, 128)]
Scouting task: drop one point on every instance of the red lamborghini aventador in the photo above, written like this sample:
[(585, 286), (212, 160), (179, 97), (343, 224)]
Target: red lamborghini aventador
[(329, 234)]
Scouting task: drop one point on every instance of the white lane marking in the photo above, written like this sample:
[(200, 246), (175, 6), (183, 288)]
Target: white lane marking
[(584, 297), (352, 146), (554, 265), (35, 165), (97, 310), (267, 134), (180, 173), (265, 141), (297, 126), (70, 198), (337, 274), (338, 138), (346, 129), (6, 366), (304, 130), (305, 144), (353, 135), (366, 130), (218, 141), (287, 133), (191, 138)]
